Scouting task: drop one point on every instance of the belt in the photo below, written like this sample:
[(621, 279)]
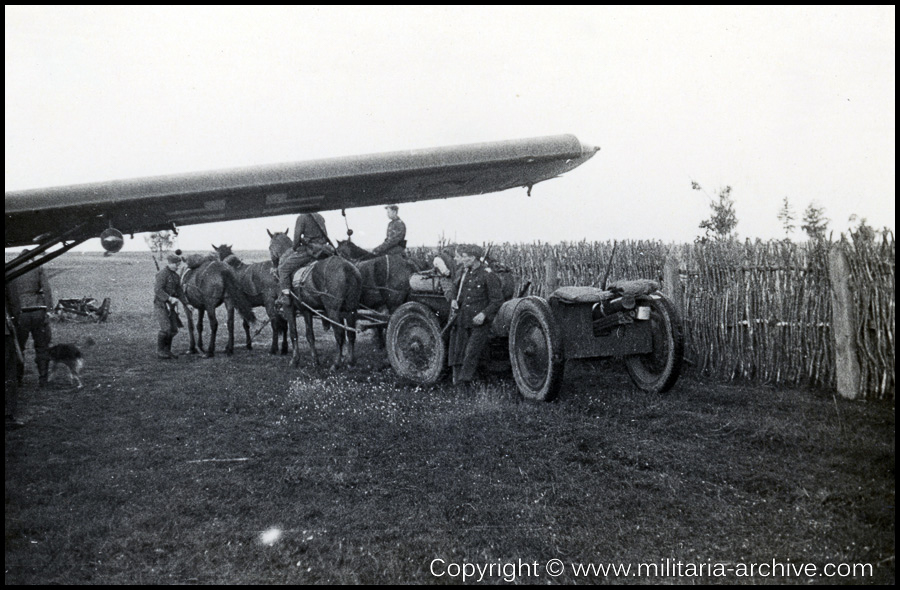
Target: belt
[(37, 308)]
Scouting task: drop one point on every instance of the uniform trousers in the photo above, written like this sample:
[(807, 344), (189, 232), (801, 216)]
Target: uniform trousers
[(37, 325)]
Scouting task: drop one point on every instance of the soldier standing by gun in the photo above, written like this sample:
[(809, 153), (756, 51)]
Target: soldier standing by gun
[(478, 296)]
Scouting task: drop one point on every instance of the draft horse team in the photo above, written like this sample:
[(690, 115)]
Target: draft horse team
[(306, 276)]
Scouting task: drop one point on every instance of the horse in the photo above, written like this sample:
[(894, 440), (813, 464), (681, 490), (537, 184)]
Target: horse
[(333, 285), (206, 286), (260, 286), (385, 278)]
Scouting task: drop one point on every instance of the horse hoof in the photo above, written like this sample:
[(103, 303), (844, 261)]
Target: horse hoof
[(208, 355)]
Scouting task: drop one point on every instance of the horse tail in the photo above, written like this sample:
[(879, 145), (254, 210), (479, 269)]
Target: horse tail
[(237, 295)]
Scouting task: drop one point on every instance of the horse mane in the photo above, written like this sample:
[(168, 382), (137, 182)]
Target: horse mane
[(353, 252), (233, 261)]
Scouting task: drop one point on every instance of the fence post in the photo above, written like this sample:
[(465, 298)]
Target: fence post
[(550, 272), (672, 283), (842, 323)]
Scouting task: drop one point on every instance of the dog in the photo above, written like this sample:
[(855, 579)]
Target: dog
[(70, 356)]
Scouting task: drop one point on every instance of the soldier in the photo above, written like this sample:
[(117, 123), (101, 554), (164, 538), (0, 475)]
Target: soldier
[(395, 242), (13, 361), (310, 243), (30, 303), (167, 293), (477, 296)]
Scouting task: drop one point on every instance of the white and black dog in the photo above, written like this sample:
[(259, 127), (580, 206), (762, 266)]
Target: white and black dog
[(70, 356)]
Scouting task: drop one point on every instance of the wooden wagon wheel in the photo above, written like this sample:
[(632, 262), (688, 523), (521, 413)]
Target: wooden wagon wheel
[(658, 370), (535, 350), (415, 346)]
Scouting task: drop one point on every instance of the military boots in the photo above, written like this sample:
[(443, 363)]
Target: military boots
[(164, 346)]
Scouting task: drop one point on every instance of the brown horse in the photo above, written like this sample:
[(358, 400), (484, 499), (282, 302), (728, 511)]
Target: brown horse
[(385, 278), (206, 286), (260, 286), (332, 289)]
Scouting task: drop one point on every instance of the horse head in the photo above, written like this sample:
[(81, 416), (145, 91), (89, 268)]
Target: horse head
[(278, 245), (224, 251)]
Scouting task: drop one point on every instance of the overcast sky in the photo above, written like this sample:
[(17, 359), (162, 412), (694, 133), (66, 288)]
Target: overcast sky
[(796, 102)]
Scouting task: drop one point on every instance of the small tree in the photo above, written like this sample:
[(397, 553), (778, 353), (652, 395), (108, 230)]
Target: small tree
[(723, 219), (160, 242), (787, 216), (815, 224), (863, 231)]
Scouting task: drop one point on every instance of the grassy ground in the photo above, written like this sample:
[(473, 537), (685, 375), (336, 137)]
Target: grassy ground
[(242, 470)]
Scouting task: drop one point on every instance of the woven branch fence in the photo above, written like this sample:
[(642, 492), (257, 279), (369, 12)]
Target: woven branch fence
[(756, 311)]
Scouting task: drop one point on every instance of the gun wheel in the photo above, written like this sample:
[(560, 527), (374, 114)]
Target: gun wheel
[(415, 345)]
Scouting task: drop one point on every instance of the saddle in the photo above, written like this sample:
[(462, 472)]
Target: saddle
[(302, 274), (195, 261)]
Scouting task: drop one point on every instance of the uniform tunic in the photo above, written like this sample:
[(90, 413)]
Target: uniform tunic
[(309, 229), (168, 284), (395, 242), (310, 242), (479, 291)]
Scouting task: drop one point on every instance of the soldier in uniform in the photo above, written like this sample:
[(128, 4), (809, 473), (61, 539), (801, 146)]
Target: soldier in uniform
[(30, 303), (310, 243), (477, 296), (395, 242), (13, 361), (167, 293)]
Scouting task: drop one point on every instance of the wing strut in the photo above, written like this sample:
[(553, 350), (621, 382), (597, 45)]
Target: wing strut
[(29, 260)]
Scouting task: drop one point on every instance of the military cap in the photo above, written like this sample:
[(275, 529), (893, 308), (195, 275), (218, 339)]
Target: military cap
[(172, 257), (471, 250), (392, 206)]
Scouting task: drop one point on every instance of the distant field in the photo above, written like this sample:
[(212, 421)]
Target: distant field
[(241, 470)]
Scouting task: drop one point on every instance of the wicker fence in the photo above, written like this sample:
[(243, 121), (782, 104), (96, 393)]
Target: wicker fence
[(754, 311)]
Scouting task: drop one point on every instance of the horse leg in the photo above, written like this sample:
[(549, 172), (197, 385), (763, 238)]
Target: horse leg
[(200, 314), (247, 330), (339, 334), (213, 330), (229, 319), (291, 328), (284, 336), (350, 319), (190, 322), (275, 324), (310, 338)]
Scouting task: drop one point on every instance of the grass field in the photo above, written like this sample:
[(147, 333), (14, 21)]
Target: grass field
[(242, 470)]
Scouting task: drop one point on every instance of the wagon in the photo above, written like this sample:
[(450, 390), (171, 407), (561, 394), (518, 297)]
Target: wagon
[(631, 320)]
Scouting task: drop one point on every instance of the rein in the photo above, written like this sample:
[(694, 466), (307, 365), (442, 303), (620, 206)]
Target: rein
[(323, 316)]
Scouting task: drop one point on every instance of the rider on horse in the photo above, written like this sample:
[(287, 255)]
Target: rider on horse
[(310, 243), (395, 241)]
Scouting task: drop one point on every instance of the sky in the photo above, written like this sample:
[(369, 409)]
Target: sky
[(776, 102)]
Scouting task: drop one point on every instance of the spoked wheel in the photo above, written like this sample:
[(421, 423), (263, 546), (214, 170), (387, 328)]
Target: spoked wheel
[(658, 370), (535, 350), (415, 346)]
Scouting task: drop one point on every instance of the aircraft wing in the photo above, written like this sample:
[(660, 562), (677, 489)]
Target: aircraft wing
[(79, 212)]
